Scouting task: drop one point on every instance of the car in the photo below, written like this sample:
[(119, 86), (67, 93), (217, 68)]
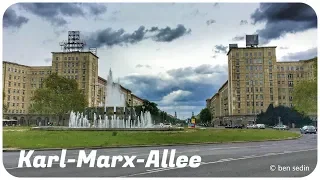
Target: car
[(228, 126), (261, 126), (252, 126), (237, 126), (281, 127), (308, 130), (167, 125)]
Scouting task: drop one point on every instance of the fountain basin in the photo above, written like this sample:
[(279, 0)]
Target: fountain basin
[(65, 128)]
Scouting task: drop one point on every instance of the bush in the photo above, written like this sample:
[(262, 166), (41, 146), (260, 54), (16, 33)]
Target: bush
[(114, 133)]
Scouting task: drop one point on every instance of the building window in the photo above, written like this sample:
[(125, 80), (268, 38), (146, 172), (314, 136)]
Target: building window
[(271, 90), (57, 58), (290, 83), (246, 54), (261, 103), (69, 58), (269, 53)]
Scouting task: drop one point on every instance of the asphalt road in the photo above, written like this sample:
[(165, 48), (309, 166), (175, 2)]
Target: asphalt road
[(254, 159)]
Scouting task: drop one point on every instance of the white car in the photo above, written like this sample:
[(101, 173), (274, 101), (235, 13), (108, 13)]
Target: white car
[(261, 126), (281, 127), (252, 126), (165, 125)]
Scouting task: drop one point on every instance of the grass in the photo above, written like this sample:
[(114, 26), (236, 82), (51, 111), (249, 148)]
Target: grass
[(29, 139)]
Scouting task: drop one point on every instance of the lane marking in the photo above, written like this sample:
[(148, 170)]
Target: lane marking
[(219, 161)]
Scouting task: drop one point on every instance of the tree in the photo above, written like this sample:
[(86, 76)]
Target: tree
[(305, 97), (287, 116), (59, 96), (305, 94), (4, 106), (205, 115)]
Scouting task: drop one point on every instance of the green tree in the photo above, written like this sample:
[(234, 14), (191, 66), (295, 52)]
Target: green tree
[(205, 115), (59, 96), (305, 97), (287, 116), (305, 93), (4, 106)]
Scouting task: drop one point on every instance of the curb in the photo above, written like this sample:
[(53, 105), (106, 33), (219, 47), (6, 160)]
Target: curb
[(154, 145)]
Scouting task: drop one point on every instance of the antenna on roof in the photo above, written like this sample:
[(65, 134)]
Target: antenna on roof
[(74, 43)]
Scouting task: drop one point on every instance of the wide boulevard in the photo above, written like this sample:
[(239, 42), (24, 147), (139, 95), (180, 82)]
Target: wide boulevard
[(289, 158)]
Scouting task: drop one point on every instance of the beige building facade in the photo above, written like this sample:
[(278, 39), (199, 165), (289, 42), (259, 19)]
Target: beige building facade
[(256, 80), (20, 81)]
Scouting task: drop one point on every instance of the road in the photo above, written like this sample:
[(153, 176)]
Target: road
[(252, 159)]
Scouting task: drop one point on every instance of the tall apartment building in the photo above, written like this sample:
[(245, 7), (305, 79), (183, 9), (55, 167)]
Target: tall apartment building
[(81, 66), (20, 81), (256, 80)]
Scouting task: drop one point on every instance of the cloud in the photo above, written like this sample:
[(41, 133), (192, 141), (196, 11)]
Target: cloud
[(283, 47), (175, 96), (202, 81), (238, 38), (109, 37), (243, 22), (221, 49), (210, 21), (55, 13), (141, 66), (11, 19), (188, 87), (302, 55), (283, 18), (167, 34)]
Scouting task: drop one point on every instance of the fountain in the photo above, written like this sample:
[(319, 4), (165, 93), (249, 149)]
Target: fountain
[(114, 99), (116, 115)]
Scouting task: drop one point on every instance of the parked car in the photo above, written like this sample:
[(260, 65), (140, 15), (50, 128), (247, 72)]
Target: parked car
[(252, 126), (261, 126), (308, 130), (228, 126), (238, 126), (281, 127)]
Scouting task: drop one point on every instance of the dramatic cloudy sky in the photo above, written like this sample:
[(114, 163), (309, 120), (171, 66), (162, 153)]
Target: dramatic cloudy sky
[(173, 54)]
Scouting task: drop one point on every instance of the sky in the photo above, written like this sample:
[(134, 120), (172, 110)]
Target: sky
[(173, 54)]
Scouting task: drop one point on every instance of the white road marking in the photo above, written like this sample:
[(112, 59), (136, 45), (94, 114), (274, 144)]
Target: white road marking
[(219, 161)]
